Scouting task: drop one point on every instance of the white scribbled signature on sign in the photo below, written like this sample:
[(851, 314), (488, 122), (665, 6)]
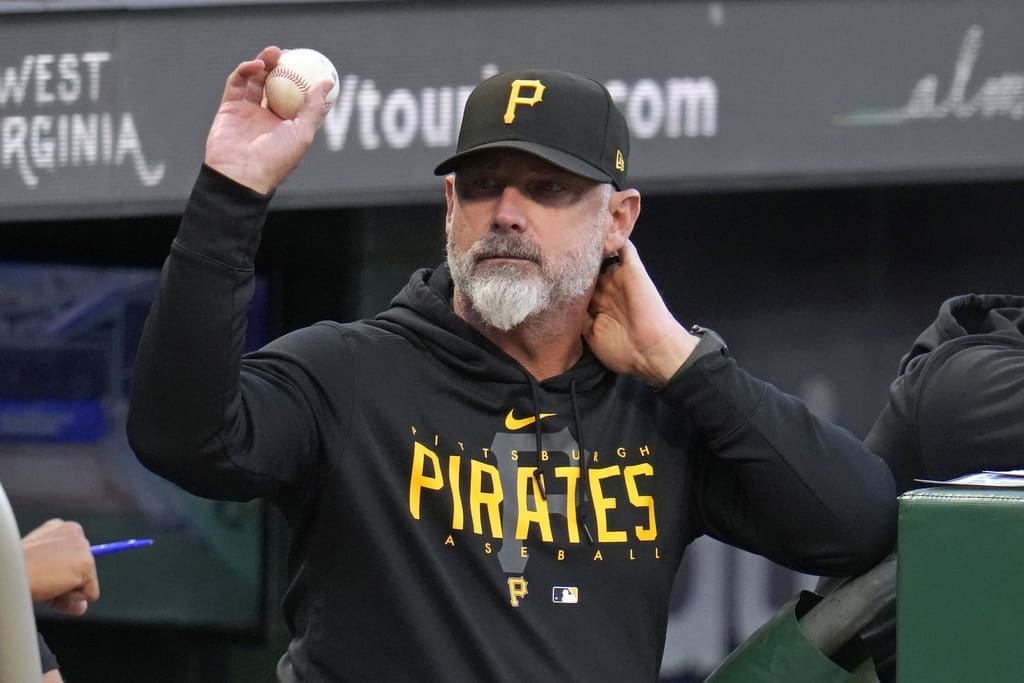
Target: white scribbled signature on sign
[(997, 96)]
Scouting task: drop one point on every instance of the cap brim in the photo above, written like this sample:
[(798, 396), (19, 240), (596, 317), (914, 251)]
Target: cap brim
[(554, 156)]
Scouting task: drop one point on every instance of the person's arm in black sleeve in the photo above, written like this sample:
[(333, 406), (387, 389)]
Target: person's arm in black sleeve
[(188, 417), (775, 479), (46, 657), (194, 416), (779, 481)]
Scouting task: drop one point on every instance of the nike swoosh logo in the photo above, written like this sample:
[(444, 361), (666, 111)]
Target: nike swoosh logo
[(512, 423)]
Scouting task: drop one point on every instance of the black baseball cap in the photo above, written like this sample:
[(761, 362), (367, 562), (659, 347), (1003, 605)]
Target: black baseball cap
[(563, 118)]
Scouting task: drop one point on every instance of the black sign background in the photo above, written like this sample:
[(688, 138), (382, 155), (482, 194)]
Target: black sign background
[(765, 93)]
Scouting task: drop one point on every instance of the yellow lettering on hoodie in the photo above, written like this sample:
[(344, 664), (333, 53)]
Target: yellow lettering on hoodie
[(454, 463), (541, 516), (481, 500), (571, 475), (516, 589), (603, 504), (649, 532), (420, 479)]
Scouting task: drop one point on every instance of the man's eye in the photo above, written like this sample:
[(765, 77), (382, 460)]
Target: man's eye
[(477, 187), (550, 191)]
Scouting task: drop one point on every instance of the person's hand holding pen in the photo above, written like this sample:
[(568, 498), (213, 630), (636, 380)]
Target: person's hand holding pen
[(60, 566)]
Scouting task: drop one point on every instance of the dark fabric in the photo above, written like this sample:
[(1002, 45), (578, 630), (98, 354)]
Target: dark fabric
[(49, 661), (403, 451), (956, 406)]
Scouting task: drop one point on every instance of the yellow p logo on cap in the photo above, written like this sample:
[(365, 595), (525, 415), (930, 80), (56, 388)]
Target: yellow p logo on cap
[(515, 99)]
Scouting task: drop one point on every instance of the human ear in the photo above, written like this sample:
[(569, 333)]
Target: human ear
[(449, 198), (624, 207)]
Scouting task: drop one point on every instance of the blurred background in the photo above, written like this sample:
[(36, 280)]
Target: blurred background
[(817, 177)]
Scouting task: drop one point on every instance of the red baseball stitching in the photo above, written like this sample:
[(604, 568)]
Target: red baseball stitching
[(296, 78)]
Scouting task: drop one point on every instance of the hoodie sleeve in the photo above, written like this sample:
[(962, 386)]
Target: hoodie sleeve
[(189, 418), (779, 481)]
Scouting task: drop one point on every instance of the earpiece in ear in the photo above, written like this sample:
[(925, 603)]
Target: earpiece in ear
[(609, 261)]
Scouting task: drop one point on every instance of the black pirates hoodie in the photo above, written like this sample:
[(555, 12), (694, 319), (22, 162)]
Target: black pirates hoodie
[(453, 518)]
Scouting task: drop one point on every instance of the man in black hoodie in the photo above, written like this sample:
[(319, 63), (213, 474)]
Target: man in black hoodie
[(494, 479)]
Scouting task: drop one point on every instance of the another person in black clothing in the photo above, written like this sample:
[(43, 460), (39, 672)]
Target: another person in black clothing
[(955, 408), (496, 478)]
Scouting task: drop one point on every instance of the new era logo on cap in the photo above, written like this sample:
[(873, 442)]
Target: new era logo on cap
[(566, 119)]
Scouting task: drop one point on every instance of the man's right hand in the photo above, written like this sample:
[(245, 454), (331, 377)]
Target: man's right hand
[(249, 143)]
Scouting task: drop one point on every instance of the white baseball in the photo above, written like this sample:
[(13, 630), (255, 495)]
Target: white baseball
[(296, 72)]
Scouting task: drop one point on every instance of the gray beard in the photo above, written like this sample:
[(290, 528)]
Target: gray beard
[(503, 296)]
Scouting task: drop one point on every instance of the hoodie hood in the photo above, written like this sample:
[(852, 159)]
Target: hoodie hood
[(969, 314), (423, 311)]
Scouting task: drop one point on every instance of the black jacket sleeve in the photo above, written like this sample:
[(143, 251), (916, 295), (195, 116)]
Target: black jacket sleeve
[(46, 657), (779, 481), (188, 419)]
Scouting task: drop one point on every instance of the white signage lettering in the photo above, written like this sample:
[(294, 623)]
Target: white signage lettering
[(59, 132), (400, 118)]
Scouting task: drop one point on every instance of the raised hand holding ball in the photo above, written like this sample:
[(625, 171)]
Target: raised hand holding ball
[(295, 74)]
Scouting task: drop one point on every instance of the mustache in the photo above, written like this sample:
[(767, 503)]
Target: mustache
[(503, 245)]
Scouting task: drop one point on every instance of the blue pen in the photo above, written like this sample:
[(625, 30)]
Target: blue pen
[(118, 546)]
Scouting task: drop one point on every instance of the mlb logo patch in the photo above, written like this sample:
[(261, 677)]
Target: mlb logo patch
[(565, 595)]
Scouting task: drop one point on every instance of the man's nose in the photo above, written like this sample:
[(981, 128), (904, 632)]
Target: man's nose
[(510, 210)]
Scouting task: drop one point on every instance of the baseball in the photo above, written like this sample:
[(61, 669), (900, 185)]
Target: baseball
[(296, 72)]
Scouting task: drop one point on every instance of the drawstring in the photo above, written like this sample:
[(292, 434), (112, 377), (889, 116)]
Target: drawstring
[(537, 473), (584, 496)]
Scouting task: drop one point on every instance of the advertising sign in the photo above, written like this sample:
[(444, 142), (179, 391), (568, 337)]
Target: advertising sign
[(105, 113)]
